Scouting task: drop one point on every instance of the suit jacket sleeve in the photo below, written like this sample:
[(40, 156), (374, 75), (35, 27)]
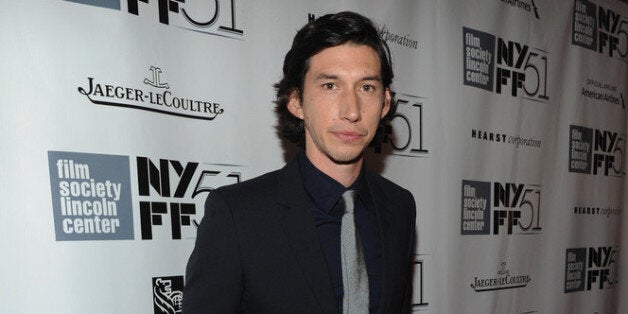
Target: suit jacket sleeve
[(407, 293), (214, 273)]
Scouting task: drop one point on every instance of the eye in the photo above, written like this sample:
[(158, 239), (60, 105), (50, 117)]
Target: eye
[(329, 86), (368, 88)]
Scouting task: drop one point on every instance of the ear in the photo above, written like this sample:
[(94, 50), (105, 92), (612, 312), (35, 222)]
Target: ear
[(387, 100), (294, 105)]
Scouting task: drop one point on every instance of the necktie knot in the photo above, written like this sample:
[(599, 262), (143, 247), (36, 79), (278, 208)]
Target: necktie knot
[(348, 197)]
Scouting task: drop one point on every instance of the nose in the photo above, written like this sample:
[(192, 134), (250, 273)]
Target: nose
[(351, 107)]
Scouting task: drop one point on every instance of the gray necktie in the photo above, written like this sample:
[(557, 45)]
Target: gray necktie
[(355, 282)]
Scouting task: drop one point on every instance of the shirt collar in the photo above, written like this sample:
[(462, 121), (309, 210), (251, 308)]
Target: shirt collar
[(324, 190)]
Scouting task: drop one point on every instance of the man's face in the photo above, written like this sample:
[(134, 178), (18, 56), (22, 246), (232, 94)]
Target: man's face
[(342, 103)]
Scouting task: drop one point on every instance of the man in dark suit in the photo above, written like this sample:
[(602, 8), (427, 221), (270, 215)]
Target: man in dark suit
[(277, 243)]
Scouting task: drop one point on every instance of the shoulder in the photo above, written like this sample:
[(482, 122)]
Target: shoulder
[(390, 189), (259, 184), (390, 195), (259, 189)]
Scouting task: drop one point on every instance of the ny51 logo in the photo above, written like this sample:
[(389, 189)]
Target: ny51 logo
[(194, 15), (523, 69), (613, 36), (516, 207), (608, 156), (404, 131), (171, 187), (418, 287)]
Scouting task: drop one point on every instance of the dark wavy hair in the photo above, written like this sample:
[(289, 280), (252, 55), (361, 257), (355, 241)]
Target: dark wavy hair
[(327, 31)]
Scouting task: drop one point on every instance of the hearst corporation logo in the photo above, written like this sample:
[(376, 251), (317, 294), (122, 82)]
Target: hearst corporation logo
[(404, 40), (503, 279), (597, 211), (156, 95), (398, 39), (517, 141)]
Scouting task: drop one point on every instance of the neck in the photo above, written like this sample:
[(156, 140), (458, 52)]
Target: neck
[(344, 173)]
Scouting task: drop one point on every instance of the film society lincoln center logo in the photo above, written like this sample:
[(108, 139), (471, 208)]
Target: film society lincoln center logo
[(511, 208), (156, 95), (91, 196), (504, 66)]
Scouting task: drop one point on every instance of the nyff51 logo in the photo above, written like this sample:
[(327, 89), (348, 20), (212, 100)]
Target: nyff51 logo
[(175, 190), (516, 208), (594, 151), (404, 130), (591, 268), (419, 302), (599, 29), (504, 66), (216, 17)]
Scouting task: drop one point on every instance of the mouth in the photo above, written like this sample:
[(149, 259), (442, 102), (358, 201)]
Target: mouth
[(349, 136)]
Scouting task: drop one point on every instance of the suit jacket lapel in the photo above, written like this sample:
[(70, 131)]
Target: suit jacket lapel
[(387, 229), (298, 226)]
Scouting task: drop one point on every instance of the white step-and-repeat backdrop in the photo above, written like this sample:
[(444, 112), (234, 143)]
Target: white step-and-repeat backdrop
[(119, 117)]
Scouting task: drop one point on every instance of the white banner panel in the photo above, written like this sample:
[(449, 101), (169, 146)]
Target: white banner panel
[(118, 118)]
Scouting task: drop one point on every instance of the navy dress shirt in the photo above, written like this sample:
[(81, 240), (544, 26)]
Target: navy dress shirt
[(327, 210)]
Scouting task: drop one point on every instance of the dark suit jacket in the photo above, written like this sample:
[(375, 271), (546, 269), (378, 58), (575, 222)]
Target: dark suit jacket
[(257, 249)]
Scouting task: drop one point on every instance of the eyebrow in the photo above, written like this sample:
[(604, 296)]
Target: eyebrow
[(325, 76)]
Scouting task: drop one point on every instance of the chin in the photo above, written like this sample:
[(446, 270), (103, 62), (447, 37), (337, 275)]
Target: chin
[(346, 158)]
